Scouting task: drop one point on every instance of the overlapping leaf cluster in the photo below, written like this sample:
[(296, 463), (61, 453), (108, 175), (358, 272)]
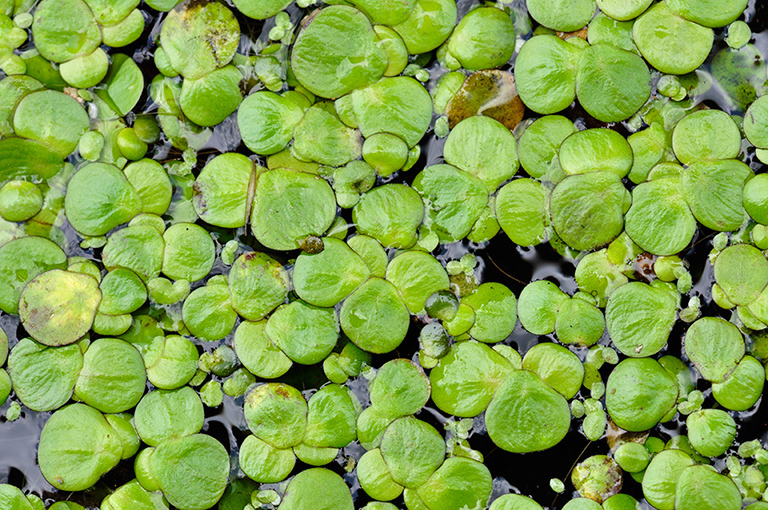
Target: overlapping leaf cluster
[(158, 266)]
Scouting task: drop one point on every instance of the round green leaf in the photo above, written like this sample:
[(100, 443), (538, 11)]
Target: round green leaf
[(138, 248), (317, 488), (483, 39), (701, 12), (465, 379), (189, 252), (264, 463), (99, 198), (400, 388), (522, 212), (325, 278), (495, 309), (266, 121), (21, 260), (277, 414), (413, 450), (43, 377), (77, 447), (741, 271), (221, 190), (701, 487), (484, 148), (428, 25), (596, 150), (326, 47), (375, 480), (152, 184), (417, 275), (588, 209), (557, 366), (639, 393), (191, 471), (458, 483), (715, 347), (526, 414), (706, 134), (58, 307), (332, 417), (659, 220), (539, 143), (400, 106), (711, 431), (538, 306), (166, 414), (171, 362), (453, 200), (562, 15), (305, 333), (612, 84), (391, 214), (756, 198), (545, 73), (661, 476), (257, 353), (198, 38), (640, 318), (375, 317), (739, 391), (669, 43), (113, 376), (321, 136), (303, 204), (258, 284), (65, 29)]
